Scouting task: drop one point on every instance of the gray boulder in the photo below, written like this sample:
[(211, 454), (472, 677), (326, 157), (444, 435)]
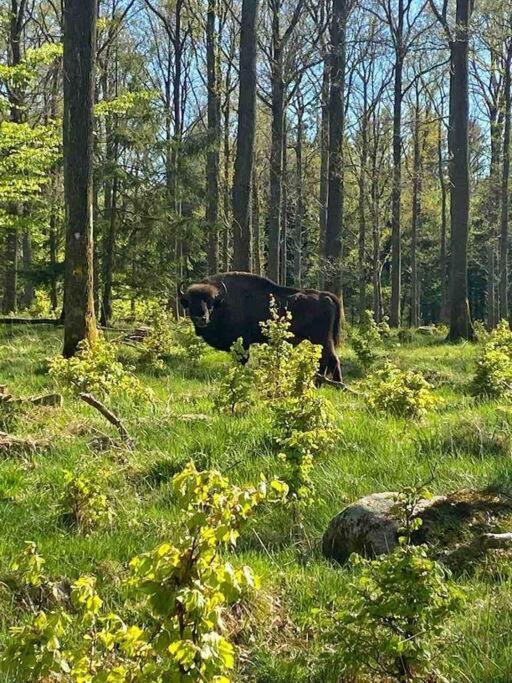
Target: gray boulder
[(367, 527)]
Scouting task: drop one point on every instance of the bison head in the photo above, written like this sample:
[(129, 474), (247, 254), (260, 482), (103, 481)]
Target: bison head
[(200, 300)]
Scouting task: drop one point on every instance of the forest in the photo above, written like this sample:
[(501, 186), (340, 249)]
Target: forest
[(255, 341)]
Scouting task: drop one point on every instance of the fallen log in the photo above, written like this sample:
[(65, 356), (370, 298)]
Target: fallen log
[(108, 415), (10, 443)]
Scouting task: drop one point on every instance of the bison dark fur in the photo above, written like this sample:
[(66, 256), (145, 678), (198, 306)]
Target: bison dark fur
[(227, 306)]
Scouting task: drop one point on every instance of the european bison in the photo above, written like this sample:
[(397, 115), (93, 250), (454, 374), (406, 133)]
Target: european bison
[(227, 306)]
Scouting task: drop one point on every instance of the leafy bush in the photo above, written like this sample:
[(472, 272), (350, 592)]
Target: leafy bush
[(85, 503), (159, 341), (304, 428), (403, 393), (95, 369), (190, 345), (366, 340), (235, 393), (41, 306), (182, 589), (393, 615), (271, 360), (493, 375), (481, 332)]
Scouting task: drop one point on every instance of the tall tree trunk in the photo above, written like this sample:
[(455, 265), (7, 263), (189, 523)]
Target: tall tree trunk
[(505, 187), (299, 207), (109, 251), (324, 170), (52, 246), (443, 274), (492, 298), (226, 171), (212, 164), (361, 261), (396, 192), (283, 246), (276, 148), (245, 138), (79, 66), (335, 205), (256, 225), (375, 199), (416, 216), (28, 285), (460, 320), (11, 255)]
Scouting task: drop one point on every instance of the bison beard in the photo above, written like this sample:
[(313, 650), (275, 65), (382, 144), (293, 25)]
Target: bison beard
[(227, 306)]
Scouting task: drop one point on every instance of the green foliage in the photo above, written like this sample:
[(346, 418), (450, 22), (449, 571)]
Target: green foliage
[(304, 429), (185, 587), (189, 344), (234, 395), (85, 503), (271, 360), (27, 568), (393, 616), (481, 332), (95, 369), (404, 393), (366, 339), (41, 306), (159, 342), (493, 375), (27, 153)]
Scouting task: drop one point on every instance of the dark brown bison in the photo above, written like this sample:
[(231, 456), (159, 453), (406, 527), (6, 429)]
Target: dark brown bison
[(227, 306)]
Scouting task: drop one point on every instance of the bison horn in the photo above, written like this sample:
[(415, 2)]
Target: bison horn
[(181, 288), (223, 288)]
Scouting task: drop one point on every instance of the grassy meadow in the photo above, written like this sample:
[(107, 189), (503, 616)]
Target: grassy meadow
[(463, 443)]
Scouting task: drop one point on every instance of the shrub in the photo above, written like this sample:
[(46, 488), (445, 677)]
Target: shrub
[(41, 306), (304, 428), (271, 360), (235, 393), (85, 503), (183, 589), (393, 616), (366, 339), (493, 377), (403, 393), (190, 345), (159, 342), (95, 369)]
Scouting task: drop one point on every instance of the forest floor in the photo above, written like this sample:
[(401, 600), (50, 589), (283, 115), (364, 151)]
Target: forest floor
[(462, 444)]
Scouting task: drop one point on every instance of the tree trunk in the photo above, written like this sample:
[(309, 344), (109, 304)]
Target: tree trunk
[(299, 207), (28, 285), (335, 205), (443, 274), (226, 171), (9, 300), (460, 320), (361, 211), (245, 138), (396, 192), (416, 213), (79, 65), (212, 164), (276, 148), (109, 252), (324, 170), (52, 245), (375, 199), (283, 246), (505, 189), (256, 224)]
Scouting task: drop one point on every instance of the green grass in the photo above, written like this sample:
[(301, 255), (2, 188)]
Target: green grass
[(462, 444)]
